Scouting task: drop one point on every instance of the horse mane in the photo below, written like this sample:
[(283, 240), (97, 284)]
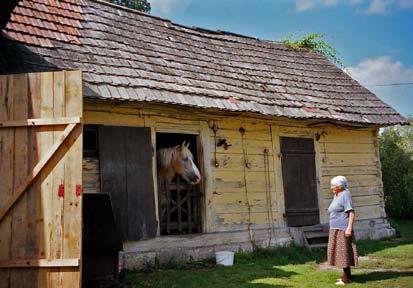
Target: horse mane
[(164, 157)]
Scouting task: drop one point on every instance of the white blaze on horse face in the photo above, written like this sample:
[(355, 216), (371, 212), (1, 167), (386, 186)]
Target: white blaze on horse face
[(196, 171)]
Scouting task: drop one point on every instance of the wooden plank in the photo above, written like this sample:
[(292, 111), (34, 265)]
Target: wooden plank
[(245, 217), (332, 171), (6, 172), (355, 181), (278, 196), (22, 263), (348, 159), (233, 181), (39, 166), (139, 189), (44, 192), (234, 134), (112, 118), (339, 135), (72, 223), (39, 121), (113, 173), (338, 148), (55, 201), (236, 162), (205, 150), (35, 217), (91, 175), (21, 169), (252, 146)]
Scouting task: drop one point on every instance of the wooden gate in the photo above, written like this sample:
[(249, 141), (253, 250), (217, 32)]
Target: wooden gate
[(40, 176), (300, 181), (179, 207)]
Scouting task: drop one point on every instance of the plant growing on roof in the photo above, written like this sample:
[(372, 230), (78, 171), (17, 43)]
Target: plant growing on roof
[(315, 42), (140, 5)]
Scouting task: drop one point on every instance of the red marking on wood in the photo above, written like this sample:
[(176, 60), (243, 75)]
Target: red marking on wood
[(78, 190), (61, 190)]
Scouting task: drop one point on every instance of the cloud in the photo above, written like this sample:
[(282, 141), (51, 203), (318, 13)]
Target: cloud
[(305, 5), (369, 7), (406, 4), (166, 6), (379, 6), (382, 70)]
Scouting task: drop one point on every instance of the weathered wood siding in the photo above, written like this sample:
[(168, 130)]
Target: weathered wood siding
[(40, 179), (239, 189)]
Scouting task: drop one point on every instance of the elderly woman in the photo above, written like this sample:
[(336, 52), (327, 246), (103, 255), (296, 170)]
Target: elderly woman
[(341, 245)]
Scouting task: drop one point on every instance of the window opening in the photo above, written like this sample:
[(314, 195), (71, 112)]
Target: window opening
[(90, 141), (179, 200)]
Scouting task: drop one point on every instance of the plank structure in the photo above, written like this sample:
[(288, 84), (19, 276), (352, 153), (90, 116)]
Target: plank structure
[(41, 162)]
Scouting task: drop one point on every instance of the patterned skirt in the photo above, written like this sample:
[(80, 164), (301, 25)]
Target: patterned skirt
[(342, 251)]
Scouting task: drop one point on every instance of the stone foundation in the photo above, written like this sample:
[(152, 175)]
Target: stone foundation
[(137, 255), (164, 249)]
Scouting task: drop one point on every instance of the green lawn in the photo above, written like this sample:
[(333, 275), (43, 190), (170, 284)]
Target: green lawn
[(385, 263)]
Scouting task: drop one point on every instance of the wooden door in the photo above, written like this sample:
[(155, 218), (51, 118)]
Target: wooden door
[(300, 181), (40, 175), (125, 155)]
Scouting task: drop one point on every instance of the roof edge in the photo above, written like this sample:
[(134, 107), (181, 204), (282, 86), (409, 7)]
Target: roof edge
[(194, 28)]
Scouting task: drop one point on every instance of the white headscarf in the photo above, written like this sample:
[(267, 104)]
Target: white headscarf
[(339, 181)]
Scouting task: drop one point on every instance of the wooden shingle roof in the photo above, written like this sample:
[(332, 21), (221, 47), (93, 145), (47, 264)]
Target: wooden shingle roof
[(133, 56)]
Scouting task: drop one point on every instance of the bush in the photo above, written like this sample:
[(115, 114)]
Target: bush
[(396, 155)]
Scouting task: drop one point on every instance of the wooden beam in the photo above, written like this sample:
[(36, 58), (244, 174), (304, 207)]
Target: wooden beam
[(23, 263), (40, 122), (36, 170)]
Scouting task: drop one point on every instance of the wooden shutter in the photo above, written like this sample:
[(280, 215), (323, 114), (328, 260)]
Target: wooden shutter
[(299, 179), (40, 173), (126, 174)]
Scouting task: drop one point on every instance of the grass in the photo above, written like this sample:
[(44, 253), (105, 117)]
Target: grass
[(384, 263)]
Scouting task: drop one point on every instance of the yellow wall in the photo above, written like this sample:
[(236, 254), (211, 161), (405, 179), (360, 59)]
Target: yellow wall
[(230, 202)]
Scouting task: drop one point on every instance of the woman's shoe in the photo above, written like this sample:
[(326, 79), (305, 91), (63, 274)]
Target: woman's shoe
[(340, 282)]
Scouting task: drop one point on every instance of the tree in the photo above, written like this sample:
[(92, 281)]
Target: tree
[(141, 5), (396, 156)]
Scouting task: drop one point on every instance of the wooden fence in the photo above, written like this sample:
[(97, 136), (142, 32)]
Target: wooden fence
[(40, 179)]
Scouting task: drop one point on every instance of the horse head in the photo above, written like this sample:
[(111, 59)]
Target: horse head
[(183, 164), (178, 160)]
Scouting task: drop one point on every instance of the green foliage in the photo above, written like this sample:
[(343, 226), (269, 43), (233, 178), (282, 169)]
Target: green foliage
[(141, 5), (315, 42), (396, 155)]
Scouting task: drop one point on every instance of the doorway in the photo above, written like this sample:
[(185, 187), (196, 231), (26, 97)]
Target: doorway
[(179, 203), (300, 181)]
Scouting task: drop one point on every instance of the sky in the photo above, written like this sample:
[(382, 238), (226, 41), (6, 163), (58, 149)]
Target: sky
[(374, 38)]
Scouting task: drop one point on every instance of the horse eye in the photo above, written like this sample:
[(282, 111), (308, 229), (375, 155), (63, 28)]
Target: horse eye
[(185, 159)]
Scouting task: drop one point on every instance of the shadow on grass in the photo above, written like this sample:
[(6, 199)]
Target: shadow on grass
[(290, 254), (377, 276), (254, 275), (404, 227)]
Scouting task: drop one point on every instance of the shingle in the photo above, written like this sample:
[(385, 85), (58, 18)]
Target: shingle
[(124, 51)]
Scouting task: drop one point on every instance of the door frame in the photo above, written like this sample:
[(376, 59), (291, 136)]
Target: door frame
[(201, 166)]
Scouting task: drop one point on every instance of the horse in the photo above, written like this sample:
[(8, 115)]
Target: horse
[(177, 160)]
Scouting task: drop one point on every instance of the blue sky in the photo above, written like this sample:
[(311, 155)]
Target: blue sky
[(374, 38)]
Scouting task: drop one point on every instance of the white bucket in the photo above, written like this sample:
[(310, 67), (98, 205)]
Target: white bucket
[(225, 258)]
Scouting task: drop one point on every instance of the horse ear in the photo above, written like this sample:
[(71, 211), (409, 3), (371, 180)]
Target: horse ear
[(183, 145), (187, 145)]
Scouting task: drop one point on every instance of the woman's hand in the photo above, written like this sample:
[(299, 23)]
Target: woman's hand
[(348, 232)]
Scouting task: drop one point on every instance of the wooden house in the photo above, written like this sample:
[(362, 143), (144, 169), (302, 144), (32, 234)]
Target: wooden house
[(268, 126)]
